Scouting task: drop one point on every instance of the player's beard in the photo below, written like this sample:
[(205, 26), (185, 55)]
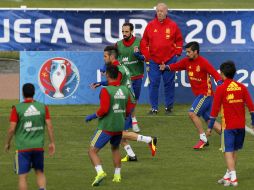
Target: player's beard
[(193, 57), (127, 38)]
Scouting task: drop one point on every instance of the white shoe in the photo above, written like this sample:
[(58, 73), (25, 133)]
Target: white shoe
[(224, 181), (227, 183), (135, 127), (234, 183)]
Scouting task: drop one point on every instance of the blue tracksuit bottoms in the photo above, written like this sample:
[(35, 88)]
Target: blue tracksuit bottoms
[(169, 84)]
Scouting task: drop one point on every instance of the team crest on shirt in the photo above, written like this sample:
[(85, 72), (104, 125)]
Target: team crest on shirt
[(28, 124), (116, 109), (198, 68), (190, 74), (167, 33), (155, 30), (58, 78), (230, 97)]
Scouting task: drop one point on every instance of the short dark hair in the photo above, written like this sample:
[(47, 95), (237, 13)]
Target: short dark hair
[(112, 50), (193, 45), (129, 24), (28, 90), (112, 71), (228, 69)]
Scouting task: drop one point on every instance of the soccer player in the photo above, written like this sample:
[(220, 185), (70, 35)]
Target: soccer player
[(199, 71), (161, 44), (230, 98), (130, 56), (27, 123), (110, 58), (115, 104)]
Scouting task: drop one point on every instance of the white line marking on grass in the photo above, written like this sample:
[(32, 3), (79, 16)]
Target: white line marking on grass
[(249, 130), (140, 116), (14, 0)]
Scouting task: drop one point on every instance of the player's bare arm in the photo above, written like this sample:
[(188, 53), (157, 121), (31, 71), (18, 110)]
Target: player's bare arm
[(51, 137), (10, 134)]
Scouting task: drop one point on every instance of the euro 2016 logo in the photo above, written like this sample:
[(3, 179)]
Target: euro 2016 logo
[(58, 78)]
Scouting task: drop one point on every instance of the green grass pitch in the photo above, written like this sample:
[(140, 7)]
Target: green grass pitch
[(176, 166)]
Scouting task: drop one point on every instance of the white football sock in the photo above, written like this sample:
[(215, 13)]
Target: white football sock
[(232, 175), (203, 137), (145, 139), (134, 120), (227, 175), (118, 171), (129, 150), (98, 169)]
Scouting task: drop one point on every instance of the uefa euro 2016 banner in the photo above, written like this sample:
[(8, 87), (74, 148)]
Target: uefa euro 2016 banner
[(88, 30), (64, 77), (74, 40)]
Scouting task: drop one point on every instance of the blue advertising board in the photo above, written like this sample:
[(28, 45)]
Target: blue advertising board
[(64, 77)]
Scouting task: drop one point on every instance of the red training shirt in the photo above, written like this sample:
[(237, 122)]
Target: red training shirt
[(230, 98), (199, 71)]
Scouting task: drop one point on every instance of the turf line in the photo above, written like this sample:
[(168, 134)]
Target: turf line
[(249, 130)]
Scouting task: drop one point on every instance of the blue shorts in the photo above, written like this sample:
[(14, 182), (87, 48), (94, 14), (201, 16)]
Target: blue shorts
[(24, 161), (100, 139), (136, 86), (232, 139), (202, 106), (128, 123)]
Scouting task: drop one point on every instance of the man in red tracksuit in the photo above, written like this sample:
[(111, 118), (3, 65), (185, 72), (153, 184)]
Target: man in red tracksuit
[(230, 98), (161, 44)]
